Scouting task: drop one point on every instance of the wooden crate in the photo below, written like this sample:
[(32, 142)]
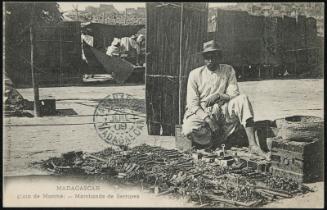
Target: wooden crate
[(48, 106), (302, 161)]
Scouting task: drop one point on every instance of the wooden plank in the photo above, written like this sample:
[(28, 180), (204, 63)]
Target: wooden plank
[(64, 58), (152, 103), (164, 52), (195, 34)]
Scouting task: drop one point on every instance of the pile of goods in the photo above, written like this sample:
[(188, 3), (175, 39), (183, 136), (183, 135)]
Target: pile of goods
[(14, 102), (211, 179), (297, 150)]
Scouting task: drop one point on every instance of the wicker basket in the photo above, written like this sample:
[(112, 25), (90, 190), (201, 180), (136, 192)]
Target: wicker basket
[(302, 128)]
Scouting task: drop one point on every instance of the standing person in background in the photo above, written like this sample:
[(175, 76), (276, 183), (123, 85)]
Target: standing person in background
[(131, 47), (114, 48), (135, 48), (141, 48), (87, 42)]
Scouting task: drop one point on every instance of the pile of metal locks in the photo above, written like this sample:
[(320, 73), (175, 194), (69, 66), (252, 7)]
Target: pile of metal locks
[(199, 176)]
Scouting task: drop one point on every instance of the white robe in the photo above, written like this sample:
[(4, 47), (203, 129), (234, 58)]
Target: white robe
[(202, 84)]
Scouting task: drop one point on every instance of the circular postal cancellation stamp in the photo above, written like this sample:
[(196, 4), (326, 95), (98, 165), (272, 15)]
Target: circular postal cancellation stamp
[(118, 119)]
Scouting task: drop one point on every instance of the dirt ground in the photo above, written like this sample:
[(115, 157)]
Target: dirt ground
[(32, 139)]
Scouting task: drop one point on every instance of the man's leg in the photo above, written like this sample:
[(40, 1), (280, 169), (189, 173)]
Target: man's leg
[(197, 131), (250, 132), (237, 139), (242, 108)]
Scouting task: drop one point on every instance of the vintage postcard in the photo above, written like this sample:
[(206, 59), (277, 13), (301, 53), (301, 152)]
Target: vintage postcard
[(163, 104)]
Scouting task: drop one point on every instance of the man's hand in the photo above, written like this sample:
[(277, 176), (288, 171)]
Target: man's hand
[(217, 99), (213, 125), (212, 100)]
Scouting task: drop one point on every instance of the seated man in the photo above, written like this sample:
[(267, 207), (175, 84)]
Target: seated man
[(215, 108)]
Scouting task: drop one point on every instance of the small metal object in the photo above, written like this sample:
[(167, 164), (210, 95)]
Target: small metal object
[(156, 190), (223, 147)]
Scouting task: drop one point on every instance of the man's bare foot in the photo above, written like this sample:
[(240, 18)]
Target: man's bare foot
[(257, 150)]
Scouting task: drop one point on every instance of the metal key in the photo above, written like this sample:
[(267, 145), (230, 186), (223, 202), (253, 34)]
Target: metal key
[(223, 146)]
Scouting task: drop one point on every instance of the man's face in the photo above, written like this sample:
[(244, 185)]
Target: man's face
[(212, 60)]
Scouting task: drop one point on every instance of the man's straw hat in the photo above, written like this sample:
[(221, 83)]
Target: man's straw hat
[(211, 46)]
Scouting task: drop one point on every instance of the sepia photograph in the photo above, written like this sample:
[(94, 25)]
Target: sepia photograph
[(163, 104)]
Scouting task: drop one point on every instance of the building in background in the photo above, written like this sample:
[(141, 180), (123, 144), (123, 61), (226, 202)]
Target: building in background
[(308, 9), (108, 14)]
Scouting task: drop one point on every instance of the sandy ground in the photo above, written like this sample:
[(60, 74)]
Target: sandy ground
[(32, 139)]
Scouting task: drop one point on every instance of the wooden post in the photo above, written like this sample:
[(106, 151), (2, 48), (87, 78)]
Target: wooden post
[(104, 42), (77, 16), (76, 10), (60, 58), (125, 19), (295, 63), (146, 65), (34, 76), (259, 71), (243, 76), (180, 69)]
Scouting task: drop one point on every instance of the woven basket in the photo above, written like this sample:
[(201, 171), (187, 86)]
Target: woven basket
[(302, 128)]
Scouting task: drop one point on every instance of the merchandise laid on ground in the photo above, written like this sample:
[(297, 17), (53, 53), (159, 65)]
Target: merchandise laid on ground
[(163, 104), (216, 178)]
